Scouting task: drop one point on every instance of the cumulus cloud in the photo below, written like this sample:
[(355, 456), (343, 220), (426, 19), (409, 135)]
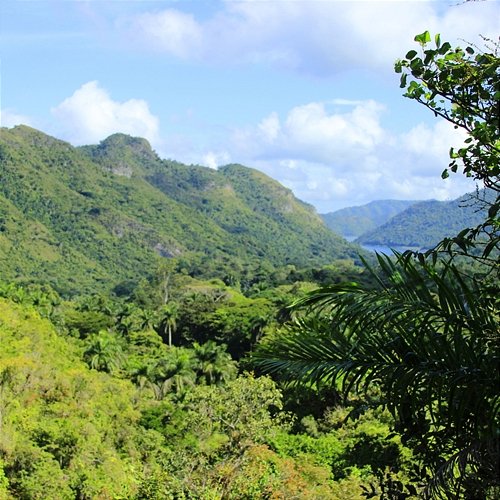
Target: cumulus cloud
[(427, 143), (317, 132), (10, 118), (312, 128), (90, 115), (320, 38), (270, 127), (332, 157)]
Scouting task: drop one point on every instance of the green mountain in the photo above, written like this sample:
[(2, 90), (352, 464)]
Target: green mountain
[(424, 224), (91, 217), (354, 221)]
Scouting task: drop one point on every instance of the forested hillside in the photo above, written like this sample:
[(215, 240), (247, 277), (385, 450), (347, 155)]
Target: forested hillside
[(96, 405), (354, 221), (424, 224), (96, 216), (133, 292)]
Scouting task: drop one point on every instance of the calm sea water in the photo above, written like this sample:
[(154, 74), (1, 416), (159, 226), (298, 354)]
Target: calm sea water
[(382, 248)]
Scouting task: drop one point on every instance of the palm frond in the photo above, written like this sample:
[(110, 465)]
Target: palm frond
[(465, 466), (426, 335)]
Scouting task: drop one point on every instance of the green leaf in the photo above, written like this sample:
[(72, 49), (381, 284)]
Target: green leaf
[(445, 174), (437, 39), (429, 55), (423, 38), (490, 247), (416, 64), (411, 54), (444, 48)]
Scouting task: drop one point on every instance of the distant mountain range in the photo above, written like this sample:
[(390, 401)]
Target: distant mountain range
[(88, 218), (352, 222), (422, 224)]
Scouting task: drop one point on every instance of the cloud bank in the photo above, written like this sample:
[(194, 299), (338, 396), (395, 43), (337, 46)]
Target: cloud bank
[(333, 155), (318, 38)]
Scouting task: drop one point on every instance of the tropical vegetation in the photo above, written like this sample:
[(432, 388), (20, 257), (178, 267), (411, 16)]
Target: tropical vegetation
[(175, 332), (426, 338)]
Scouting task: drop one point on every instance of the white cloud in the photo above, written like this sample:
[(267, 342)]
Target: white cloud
[(312, 128), (10, 118), (171, 31), (317, 37), (90, 115), (430, 144), (270, 127), (315, 132), (214, 159)]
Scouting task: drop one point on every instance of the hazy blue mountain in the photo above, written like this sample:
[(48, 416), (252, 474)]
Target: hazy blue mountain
[(354, 221), (424, 224)]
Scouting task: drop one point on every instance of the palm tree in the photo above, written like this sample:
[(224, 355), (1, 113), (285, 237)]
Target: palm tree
[(168, 320), (213, 364), (104, 352), (132, 318), (174, 373), (144, 375), (258, 324), (428, 337)]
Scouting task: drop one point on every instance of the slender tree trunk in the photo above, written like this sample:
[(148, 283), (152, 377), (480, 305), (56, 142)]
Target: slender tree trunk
[(165, 289)]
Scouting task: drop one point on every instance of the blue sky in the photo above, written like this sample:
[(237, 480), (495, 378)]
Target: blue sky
[(303, 90)]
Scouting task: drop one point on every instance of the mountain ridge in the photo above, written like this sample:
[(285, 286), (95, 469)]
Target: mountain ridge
[(92, 216)]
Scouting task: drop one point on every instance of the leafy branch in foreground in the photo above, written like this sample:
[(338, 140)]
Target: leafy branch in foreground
[(463, 87), (429, 339)]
